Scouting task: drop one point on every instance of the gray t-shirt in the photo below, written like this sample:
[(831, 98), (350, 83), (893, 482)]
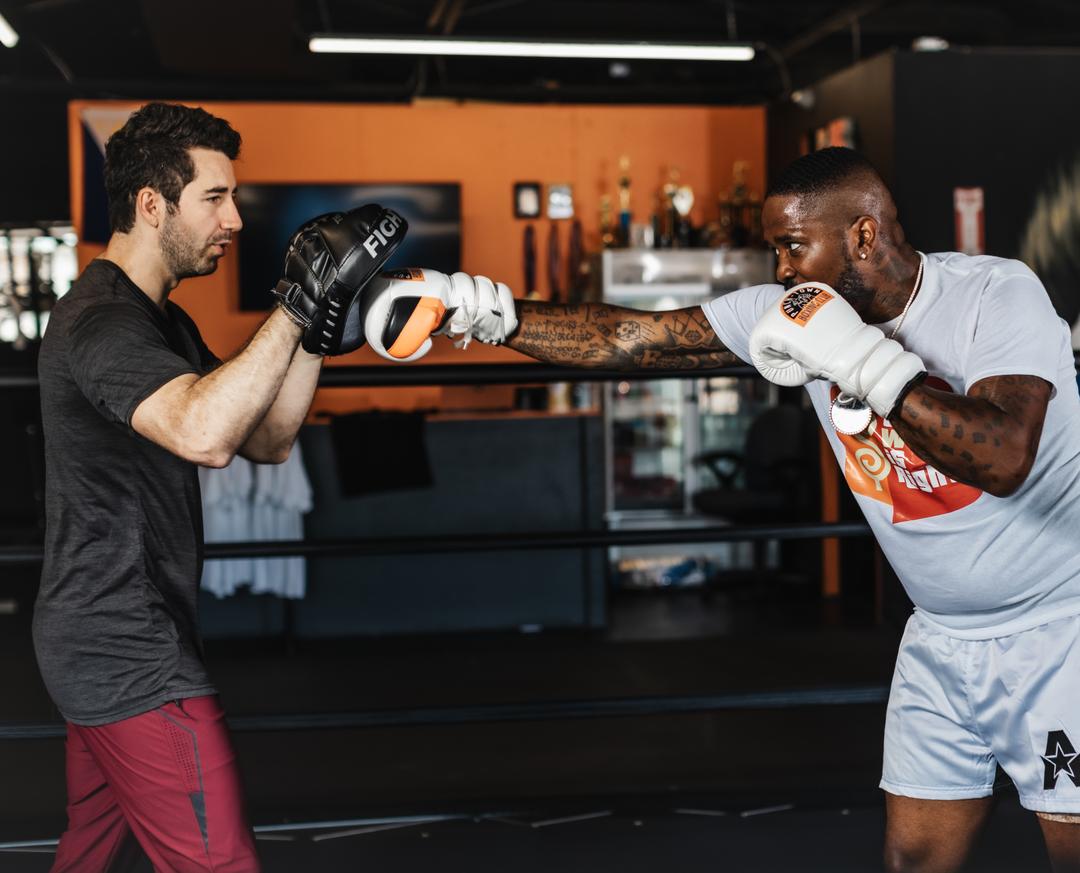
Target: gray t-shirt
[(979, 566), (115, 626)]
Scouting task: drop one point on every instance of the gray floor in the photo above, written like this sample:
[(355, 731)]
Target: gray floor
[(817, 765)]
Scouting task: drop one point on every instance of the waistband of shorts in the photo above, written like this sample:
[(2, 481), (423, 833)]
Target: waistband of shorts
[(1029, 620)]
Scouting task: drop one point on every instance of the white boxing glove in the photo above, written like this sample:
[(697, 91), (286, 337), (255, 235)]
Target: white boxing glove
[(814, 333), (401, 309)]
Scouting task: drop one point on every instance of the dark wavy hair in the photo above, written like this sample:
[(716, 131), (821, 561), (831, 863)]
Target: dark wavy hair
[(151, 150), (818, 171)]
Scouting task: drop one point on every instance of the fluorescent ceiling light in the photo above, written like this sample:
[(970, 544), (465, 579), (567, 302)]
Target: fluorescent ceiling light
[(529, 49), (8, 36)]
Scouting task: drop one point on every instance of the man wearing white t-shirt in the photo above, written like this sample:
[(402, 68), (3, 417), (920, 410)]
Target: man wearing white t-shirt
[(953, 381)]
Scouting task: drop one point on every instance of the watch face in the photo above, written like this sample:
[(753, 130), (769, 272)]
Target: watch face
[(849, 415)]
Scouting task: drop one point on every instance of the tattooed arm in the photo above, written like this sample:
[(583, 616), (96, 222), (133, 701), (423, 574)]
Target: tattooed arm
[(987, 439), (603, 336)]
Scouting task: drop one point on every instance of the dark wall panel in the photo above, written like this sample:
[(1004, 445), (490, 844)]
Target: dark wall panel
[(33, 157), (489, 476), (863, 92), (1000, 121)]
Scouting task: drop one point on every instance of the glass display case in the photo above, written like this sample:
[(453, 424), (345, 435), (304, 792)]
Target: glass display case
[(37, 266), (655, 428)]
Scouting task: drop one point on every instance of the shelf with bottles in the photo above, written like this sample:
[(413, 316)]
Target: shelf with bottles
[(646, 475), (642, 432), (644, 439), (656, 391), (667, 567), (649, 493), (671, 223), (644, 407), (726, 405)]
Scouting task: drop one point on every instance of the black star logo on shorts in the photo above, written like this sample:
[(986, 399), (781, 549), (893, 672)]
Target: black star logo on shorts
[(1058, 759)]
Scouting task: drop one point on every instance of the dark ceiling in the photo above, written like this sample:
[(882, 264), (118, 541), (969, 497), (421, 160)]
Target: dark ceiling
[(257, 49)]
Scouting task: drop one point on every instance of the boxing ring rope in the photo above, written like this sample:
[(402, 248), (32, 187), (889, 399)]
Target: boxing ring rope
[(29, 554), (504, 374), (510, 712), (410, 375)]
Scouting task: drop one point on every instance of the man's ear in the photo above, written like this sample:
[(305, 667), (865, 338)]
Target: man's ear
[(863, 237), (150, 207)]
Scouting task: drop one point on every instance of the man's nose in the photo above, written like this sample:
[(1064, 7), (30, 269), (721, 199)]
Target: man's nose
[(231, 220), (784, 271)]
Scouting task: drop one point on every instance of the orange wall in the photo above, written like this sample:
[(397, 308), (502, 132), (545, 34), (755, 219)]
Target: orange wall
[(484, 147)]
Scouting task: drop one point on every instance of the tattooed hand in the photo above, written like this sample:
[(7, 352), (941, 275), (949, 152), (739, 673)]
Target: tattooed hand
[(602, 336), (987, 439)]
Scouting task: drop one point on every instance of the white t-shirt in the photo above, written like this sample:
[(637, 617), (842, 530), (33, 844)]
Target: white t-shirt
[(978, 565)]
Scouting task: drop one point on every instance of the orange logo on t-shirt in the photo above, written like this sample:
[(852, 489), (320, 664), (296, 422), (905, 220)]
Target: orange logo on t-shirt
[(880, 466)]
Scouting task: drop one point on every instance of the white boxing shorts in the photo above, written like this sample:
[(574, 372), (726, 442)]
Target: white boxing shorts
[(959, 707)]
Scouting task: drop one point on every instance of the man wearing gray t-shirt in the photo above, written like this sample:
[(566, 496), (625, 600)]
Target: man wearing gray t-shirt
[(132, 402), (946, 386)]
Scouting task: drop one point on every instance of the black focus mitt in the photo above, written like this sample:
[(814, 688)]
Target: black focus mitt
[(329, 261)]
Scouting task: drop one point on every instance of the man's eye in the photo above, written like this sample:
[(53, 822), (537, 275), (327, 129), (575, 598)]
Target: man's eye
[(214, 198), (795, 248)]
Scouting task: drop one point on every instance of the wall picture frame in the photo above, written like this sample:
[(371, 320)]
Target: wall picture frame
[(526, 200), (560, 201)]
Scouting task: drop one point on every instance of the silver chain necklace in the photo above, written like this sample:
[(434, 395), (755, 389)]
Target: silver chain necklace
[(850, 415)]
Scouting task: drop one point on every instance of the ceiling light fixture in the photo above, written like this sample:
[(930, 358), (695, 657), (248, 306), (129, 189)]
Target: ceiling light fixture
[(530, 49), (8, 36)]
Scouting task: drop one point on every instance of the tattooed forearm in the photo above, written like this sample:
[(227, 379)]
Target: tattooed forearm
[(602, 336), (988, 438)]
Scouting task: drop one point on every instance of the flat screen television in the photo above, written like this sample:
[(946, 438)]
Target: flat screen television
[(272, 212)]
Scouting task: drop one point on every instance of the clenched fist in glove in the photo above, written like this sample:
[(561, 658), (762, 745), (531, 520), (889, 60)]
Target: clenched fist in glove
[(814, 333), (401, 309), (330, 260)]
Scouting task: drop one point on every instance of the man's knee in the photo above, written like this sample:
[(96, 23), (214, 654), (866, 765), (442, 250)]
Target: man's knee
[(903, 859), (920, 857)]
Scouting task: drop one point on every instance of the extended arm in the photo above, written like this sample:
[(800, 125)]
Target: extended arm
[(209, 419), (987, 438), (406, 306), (600, 335)]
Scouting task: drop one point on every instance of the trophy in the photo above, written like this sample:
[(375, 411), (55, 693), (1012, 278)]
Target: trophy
[(740, 232), (670, 221), (624, 201), (683, 201), (607, 234)]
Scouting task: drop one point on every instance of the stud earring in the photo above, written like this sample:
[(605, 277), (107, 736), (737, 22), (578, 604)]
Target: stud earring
[(862, 255)]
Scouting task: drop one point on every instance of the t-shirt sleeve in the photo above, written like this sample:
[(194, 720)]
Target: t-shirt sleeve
[(118, 357), (734, 315), (1017, 331)]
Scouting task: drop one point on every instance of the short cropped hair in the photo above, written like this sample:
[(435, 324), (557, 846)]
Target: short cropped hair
[(151, 150), (818, 171)]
